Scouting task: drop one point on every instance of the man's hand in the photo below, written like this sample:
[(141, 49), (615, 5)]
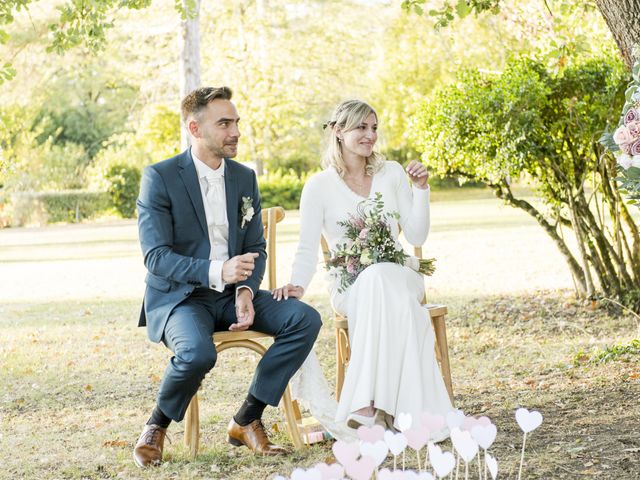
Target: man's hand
[(244, 311), (418, 174), (238, 268), (289, 290)]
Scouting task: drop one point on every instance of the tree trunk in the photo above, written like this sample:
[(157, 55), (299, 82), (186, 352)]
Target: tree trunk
[(189, 56), (623, 19)]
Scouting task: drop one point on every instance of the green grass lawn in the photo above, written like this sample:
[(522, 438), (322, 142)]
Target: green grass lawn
[(78, 378)]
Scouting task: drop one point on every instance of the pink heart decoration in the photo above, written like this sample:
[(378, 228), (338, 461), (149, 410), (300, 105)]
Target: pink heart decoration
[(371, 434), (360, 469), (483, 421), (433, 423), (396, 442), (442, 462), (492, 465), (302, 474), (455, 419), (386, 474), (378, 451), (417, 437), (528, 420), (466, 446), (485, 436), (346, 452), (468, 423), (335, 471)]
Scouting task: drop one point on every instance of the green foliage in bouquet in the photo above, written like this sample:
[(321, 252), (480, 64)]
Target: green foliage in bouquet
[(369, 241)]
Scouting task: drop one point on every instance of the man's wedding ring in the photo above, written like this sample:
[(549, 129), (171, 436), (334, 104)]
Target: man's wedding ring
[(246, 273)]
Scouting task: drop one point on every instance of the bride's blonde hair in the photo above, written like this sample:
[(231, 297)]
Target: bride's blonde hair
[(347, 116)]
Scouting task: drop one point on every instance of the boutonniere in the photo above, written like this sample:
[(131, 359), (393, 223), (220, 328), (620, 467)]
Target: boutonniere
[(246, 211)]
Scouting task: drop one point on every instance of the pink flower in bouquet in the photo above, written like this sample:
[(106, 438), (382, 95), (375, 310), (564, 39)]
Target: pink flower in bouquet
[(635, 148), (622, 136), (634, 130), (631, 116), (363, 234), (351, 266), (358, 223)]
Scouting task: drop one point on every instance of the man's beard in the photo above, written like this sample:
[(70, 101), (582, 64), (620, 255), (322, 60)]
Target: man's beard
[(225, 151)]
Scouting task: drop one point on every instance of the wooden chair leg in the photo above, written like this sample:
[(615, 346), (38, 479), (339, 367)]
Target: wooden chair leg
[(443, 352), (290, 417), (192, 427), (339, 362)]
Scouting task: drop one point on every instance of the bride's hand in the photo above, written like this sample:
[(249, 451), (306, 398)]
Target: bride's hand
[(418, 174), (289, 290)]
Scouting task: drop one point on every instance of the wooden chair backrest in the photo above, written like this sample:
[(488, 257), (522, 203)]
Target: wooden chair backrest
[(270, 217)]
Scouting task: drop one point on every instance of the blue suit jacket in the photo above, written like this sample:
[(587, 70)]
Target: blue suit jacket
[(174, 237)]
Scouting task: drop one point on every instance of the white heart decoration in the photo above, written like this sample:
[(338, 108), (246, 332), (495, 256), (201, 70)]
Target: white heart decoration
[(378, 451), (335, 471), (442, 463), (466, 446), (396, 442), (425, 476), (302, 474), (455, 419), (409, 475), (404, 421), (492, 465), (386, 474), (279, 477), (528, 420), (485, 436)]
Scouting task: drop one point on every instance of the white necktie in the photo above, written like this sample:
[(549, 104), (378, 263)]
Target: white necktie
[(215, 198)]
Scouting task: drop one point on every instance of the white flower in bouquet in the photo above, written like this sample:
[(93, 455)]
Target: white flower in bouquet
[(625, 160)]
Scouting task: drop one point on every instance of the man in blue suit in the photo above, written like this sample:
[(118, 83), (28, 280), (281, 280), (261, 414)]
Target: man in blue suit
[(200, 227)]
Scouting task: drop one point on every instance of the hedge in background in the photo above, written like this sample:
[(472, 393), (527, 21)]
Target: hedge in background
[(124, 184), (281, 189), (65, 206)]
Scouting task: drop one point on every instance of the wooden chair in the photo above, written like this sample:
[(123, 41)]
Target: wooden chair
[(247, 339), (343, 349)]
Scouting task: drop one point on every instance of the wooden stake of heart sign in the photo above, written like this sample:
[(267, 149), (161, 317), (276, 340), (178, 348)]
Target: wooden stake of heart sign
[(528, 420), (302, 474), (492, 464), (485, 436), (360, 469), (378, 451), (335, 471), (346, 452), (396, 442), (466, 446), (370, 434), (404, 421), (442, 462)]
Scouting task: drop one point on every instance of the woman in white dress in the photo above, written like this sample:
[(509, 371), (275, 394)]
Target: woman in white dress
[(393, 368)]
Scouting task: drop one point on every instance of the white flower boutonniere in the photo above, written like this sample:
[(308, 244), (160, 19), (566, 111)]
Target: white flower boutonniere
[(247, 211)]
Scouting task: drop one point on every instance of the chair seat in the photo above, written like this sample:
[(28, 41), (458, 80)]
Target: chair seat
[(233, 336), (435, 310)]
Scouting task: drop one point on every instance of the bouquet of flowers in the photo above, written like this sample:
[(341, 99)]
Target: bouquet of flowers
[(369, 241), (625, 141)]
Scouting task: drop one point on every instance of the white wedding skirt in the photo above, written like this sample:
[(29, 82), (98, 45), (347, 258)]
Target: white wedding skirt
[(392, 361)]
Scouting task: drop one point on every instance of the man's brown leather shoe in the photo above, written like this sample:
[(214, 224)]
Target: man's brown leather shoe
[(253, 437), (148, 449)]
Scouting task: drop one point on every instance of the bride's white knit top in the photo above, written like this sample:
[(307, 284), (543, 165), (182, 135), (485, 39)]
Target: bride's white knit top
[(326, 200)]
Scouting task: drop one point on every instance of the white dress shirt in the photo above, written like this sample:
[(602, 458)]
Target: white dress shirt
[(215, 209)]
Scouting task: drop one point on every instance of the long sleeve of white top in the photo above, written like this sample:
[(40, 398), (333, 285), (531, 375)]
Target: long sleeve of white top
[(413, 203)]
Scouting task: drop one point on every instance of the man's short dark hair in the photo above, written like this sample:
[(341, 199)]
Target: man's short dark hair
[(197, 100)]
